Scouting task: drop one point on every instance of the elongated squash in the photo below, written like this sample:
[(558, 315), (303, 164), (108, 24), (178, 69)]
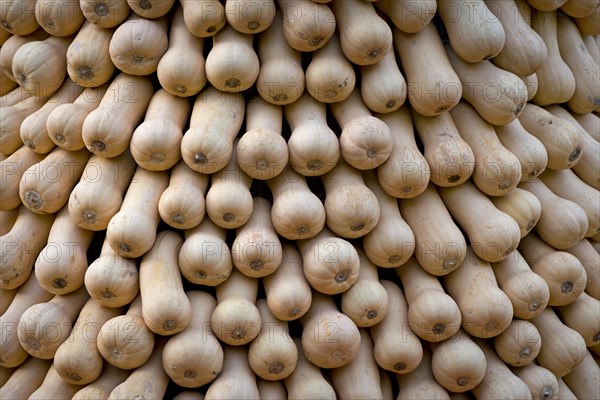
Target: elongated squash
[(105, 13), (383, 87), (587, 167), (519, 344), (420, 382), (59, 18), (88, 58), (408, 16), (546, 5), (583, 380), (205, 17), (7, 297), (26, 379), (579, 9), (583, 315), (250, 16), (590, 260), (307, 381), (532, 84), (307, 26), (151, 9), (11, 171), (590, 123), (109, 378), (564, 390), (13, 116), (270, 390), (7, 221), (523, 206), (54, 387), (10, 47), (18, 17), (237, 381)]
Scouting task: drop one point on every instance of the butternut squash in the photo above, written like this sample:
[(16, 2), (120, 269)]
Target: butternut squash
[(181, 69), (313, 147), (583, 315), (519, 344), (18, 17), (11, 172), (262, 152), (107, 130), (131, 232), (250, 16), (12, 44), (546, 5), (281, 77), (189, 395), (522, 206), (138, 44), (44, 326), (54, 387), (88, 58), (181, 205), (457, 363), (125, 341), (307, 381), (527, 291), (109, 378), (307, 26), (7, 220), (77, 360), (236, 320), (271, 390), (11, 119), (590, 260), (59, 18), (6, 85), (287, 291), (579, 9), (105, 13), (583, 380), (382, 85), (563, 349), (26, 379), (203, 18), (216, 119), (329, 339), (6, 297), (532, 84), (433, 86), (237, 381), (273, 354), (588, 166), (590, 123), (408, 16), (194, 357), (14, 96), (112, 280), (228, 200), (330, 77), (440, 245), (165, 307), (420, 382), (564, 390), (150, 9)]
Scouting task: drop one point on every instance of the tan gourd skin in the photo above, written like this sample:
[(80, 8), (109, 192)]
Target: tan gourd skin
[(203, 18), (109, 378), (105, 13), (522, 206), (108, 129), (433, 86), (432, 314), (237, 381), (519, 344), (6, 85), (28, 294), (59, 18), (269, 390), (588, 166), (77, 359), (592, 47), (406, 172), (329, 339), (579, 9), (7, 220), (281, 77), (112, 280), (151, 8), (88, 58), (262, 152), (11, 170), (216, 119), (408, 16), (273, 354), (590, 123), (14, 96), (583, 380), (18, 17), (314, 148), (383, 87), (26, 379), (420, 383), (56, 315), (250, 16), (546, 5), (583, 315), (236, 320), (301, 29), (10, 47), (565, 392), (563, 348), (391, 243), (531, 81), (54, 387), (165, 306), (189, 395), (307, 381), (194, 357), (125, 340), (60, 267), (288, 292), (590, 260), (527, 291), (132, 231), (6, 297), (204, 257), (30, 232)]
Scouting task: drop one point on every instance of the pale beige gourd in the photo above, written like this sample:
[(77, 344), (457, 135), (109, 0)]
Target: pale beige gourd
[(329, 338), (203, 18), (131, 232), (492, 233), (590, 123), (7, 220), (524, 51), (194, 357), (25, 379), (307, 381), (181, 70), (440, 245), (6, 85), (408, 16), (6, 297), (427, 69), (77, 360), (107, 130), (138, 44), (237, 380), (450, 158), (519, 344), (14, 96), (109, 378), (391, 243), (497, 170), (88, 58), (250, 16), (307, 26), (432, 314), (61, 310), (105, 13), (228, 200), (287, 291), (182, 204), (236, 320), (205, 257), (54, 387), (11, 171), (273, 354), (391, 353), (590, 260), (270, 390), (546, 5), (281, 77), (579, 9), (531, 81), (296, 213), (420, 382), (313, 147), (474, 31), (262, 152), (151, 9), (216, 119), (112, 280), (330, 77), (60, 267), (564, 390), (522, 206), (59, 18), (232, 65), (165, 307), (125, 341), (12, 44), (588, 166), (18, 17), (382, 85), (583, 380), (583, 315)]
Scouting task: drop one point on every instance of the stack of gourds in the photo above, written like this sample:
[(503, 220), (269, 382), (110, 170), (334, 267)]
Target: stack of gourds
[(305, 199)]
